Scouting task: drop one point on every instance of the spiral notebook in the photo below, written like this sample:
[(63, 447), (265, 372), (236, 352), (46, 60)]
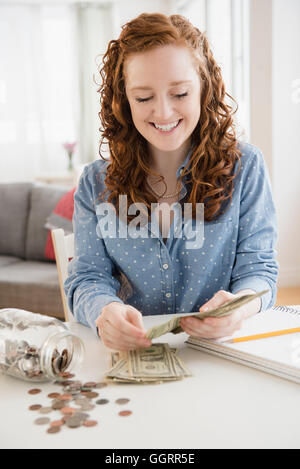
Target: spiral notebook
[(276, 355)]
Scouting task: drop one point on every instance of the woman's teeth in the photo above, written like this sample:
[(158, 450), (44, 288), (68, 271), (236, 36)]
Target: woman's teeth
[(168, 127)]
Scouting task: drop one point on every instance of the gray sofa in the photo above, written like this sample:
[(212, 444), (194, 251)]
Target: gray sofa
[(28, 280)]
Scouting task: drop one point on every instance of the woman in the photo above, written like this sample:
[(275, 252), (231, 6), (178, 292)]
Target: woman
[(172, 141)]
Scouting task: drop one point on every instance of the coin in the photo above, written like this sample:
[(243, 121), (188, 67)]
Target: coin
[(90, 384), (42, 421), (102, 401), (90, 394), (35, 407), (86, 406), (122, 400), (53, 395), (34, 391), (65, 397), (81, 415), (57, 423), (81, 400), (45, 410), (90, 423), (66, 374), (101, 385), (67, 410), (58, 405), (125, 413), (54, 429), (73, 422)]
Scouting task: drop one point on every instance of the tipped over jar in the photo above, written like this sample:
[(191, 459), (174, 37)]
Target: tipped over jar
[(37, 348)]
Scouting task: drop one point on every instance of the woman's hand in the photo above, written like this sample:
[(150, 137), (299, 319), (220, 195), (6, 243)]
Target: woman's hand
[(215, 328), (121, 327)]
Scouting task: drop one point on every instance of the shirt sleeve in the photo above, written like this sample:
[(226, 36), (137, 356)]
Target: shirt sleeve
[(255, 265), (90, 284)]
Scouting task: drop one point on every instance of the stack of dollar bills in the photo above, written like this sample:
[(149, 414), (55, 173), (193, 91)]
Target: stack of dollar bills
[(153, 364)]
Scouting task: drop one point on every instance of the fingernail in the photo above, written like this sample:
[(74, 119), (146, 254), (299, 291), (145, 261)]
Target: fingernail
[(204, 308)]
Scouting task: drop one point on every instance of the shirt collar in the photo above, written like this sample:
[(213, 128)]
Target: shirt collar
[(184, 163)]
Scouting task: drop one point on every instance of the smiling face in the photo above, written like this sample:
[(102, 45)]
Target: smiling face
[(163, 90)]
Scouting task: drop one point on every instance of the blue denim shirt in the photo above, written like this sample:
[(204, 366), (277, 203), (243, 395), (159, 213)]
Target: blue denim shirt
[(237, 251)]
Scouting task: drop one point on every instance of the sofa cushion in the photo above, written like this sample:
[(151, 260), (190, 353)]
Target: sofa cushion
[(61, 217), (42, 201), (15, 200), (31, 285), (7, 260)]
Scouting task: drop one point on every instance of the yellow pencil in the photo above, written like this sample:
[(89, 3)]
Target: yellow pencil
[(262, 336)]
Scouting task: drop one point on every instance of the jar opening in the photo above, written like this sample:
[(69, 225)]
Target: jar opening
[(61, 353)]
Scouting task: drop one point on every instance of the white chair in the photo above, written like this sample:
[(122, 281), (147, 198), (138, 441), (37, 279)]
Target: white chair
[(64, 250)]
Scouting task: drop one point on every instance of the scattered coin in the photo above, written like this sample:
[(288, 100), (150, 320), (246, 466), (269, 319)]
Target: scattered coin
[(102, 401), (122, 400), (87, 406), (90, 384), (90, 423), (58, 405), (90, 394), (101, 385), (53, 395), (68, 410), (54, 429), (57, 423), (74, 422), (45, 410), (125, 413), (81, 415), (34, 391), (35, 407), (65, 397), (66, 374), (42, 421)]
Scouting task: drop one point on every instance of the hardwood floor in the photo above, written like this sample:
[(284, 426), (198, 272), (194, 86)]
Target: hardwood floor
[(288, 296)]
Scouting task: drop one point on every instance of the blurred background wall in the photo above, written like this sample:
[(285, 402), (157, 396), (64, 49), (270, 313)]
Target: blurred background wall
[(49, 54)]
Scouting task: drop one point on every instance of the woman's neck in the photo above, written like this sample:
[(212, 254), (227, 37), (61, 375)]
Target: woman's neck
[(166, 163)]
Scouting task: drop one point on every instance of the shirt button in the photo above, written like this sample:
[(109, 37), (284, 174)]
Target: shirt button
[(168, 295), (165, 266)]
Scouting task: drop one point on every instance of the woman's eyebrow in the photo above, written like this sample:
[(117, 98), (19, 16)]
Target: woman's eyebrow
[(172, 83)]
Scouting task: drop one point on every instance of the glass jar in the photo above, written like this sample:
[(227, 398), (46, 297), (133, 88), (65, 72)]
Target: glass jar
[(34, 347)]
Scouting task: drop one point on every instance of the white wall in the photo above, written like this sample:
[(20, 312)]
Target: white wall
[(286, 135)]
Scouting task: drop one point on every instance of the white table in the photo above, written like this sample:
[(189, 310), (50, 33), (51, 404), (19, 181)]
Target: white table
[(224, 405)]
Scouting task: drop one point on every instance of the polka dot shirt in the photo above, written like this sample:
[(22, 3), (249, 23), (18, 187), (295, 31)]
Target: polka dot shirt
[(175, 275)]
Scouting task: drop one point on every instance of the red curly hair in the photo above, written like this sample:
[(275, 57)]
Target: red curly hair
[(215, 147)]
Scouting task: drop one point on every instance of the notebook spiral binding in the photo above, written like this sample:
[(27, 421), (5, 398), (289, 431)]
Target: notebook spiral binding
[(287, 309)]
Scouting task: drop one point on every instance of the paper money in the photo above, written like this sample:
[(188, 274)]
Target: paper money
[(147, 365), (174, 324)]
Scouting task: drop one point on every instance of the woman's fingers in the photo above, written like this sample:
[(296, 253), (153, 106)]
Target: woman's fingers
[(121, 338), (121, 327), (214, 327), (219, 298)]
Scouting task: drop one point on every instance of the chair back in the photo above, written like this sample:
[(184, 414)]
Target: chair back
[(64, 251)]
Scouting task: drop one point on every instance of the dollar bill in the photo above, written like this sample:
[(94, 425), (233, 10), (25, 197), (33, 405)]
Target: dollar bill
[(173, 325), (153, 364)]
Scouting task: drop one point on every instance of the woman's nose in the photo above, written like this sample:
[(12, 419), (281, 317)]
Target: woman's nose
[(163, 110)]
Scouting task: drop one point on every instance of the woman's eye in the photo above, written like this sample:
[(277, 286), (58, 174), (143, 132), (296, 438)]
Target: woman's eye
[(144, 100), (179, 96)]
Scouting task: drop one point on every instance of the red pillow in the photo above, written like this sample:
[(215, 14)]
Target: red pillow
[(61, 217)]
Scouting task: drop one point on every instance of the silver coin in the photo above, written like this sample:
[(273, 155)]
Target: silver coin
[(45, 410), (122, 400), (42, 421)]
